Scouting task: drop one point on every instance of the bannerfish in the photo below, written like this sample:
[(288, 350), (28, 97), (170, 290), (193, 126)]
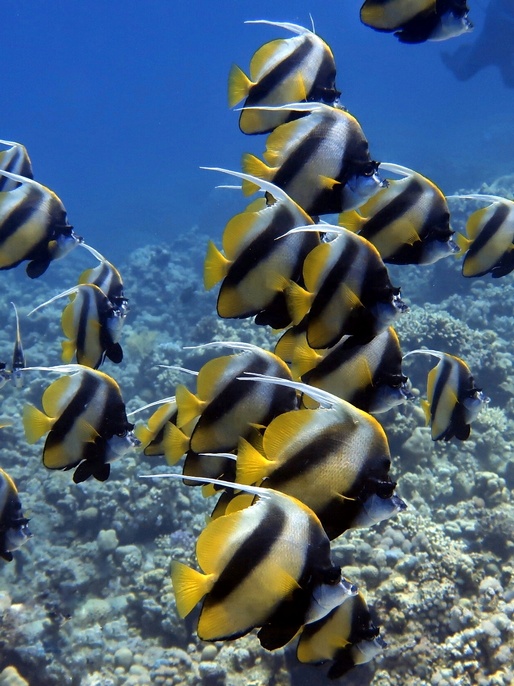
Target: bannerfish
[(287, 70), (226, 408), (33, 226), (335, 459), (453, 400), (252, 561), (18, 357), (346, 637), (489, 244), (92, 324), (367, 375), (347, 291), (408, 221), (255, 266), (154, 437), (321, 161), (107, 278), (15, 160), (416, 21), (84, 416), (14, 530)]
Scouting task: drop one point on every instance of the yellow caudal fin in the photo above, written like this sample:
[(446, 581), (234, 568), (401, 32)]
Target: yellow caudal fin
[(238, 85), (189, 406), (304, 357), (299, 302), (215, 268), (251, 466), (425, 406), (68, 351), (35, 423), (255, 167), (351, 220), (189, 586), (176, 444), (463, 243)]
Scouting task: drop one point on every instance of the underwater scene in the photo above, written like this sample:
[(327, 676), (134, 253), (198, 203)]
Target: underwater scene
[(256, 267)]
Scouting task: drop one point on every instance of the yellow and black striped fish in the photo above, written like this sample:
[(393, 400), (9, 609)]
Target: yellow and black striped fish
[(367, 375), (453, 400), (107, 278), (85, 416), (416, 21), (347, 637), (154, 437), (254, 561), (489, 245), (347, 292), (14, 531), (336, 459), (321, 161), (282, 71), (255, 266), (15, 160), (408, 222), (33, 226)]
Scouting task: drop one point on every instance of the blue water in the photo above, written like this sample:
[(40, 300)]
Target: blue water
[(119, 103)]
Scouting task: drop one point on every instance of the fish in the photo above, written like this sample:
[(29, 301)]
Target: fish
[(5, 374), (287, 70), (347, 291), (225, 408), (18, 357), (85, 418), (155, 436), (16, 160), (255, 267), (321, 161), (346, 637), (335, 459), (489, 245), (92, 324), (367, 375), (253, 561), (34, 226), (417, 21), (14, 530), (453, 399), (107, 278), (408, 221)]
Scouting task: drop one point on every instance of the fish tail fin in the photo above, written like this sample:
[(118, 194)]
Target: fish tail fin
[(35, 423), (188, 406), (238, 86), (189, 586), (299, 302), (425, 406), (175, 444), (256, 167), (462, 242), (304, 357), (215, 268), (251, 466)]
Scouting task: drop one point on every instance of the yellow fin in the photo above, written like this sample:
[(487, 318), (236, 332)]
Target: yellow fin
[(315, 265), (54, 398), (351, 220), (251, 466), (304, 357), (210, 376), (238, 85), (463, 243), (68, 351), (218, 536), (264, 58), (239, 502), (425, 406), (67, 321), (215, 268), (255, 167), (176, 444), (327, 182), (299, 302), (189, 586), (35, 423), (475, 222), (285, 430), (188, 405)]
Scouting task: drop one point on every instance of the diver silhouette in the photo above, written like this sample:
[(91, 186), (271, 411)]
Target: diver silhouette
[(494, 46)]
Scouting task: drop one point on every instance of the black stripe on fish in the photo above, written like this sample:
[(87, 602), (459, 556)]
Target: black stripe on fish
[(490, 228)]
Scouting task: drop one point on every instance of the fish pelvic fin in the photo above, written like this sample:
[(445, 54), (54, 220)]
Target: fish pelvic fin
[(189, 586)]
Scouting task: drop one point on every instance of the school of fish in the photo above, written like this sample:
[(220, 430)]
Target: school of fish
[(287, 439)]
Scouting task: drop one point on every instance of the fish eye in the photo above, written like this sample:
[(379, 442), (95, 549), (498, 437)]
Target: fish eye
[(122, 434), (370, 169)]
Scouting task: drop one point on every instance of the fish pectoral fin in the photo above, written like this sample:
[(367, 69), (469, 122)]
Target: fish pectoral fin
[(189, 586), (216, 266), (251, 465), (35, 423), (327, 182), (238, 86)]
